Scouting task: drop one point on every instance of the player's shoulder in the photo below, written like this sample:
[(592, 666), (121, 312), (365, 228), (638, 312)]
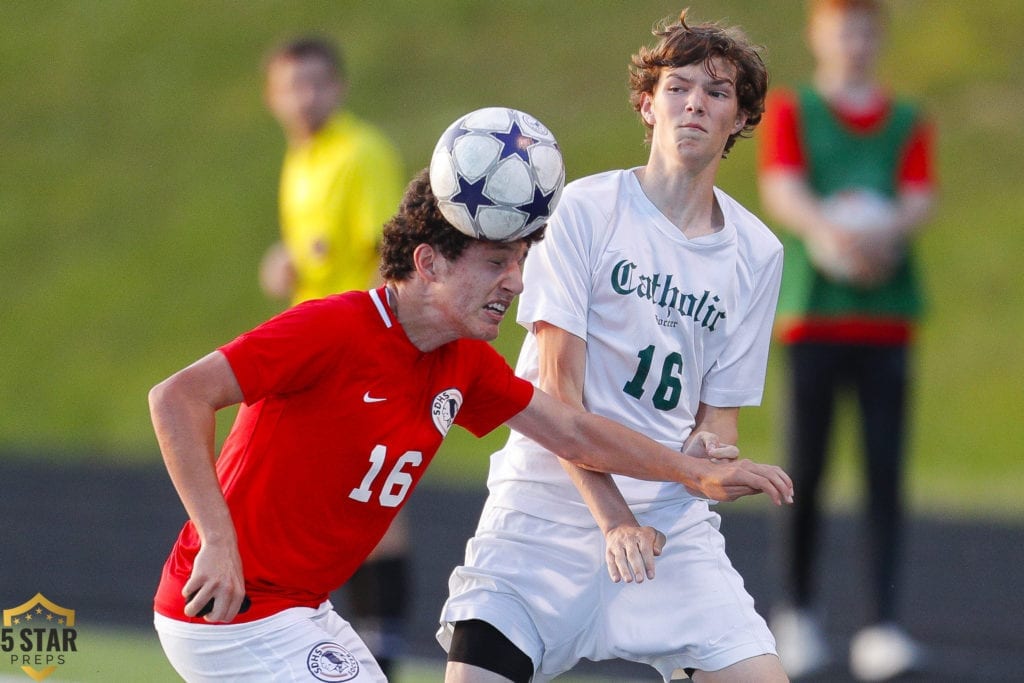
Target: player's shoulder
[(342, 308), (906, 107), (596, 186), (585, 210), (473, 356), (325, 324), (593, 194), (783, 97), (364, 134)]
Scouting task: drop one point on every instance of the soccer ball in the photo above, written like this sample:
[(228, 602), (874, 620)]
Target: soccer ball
[(865, 213), (497, 174), (859, 210)]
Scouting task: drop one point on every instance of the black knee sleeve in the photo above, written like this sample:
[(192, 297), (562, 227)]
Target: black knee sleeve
[(477, 643)]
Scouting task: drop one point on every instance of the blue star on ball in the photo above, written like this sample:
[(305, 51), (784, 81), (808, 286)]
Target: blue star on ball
[(515, 141), (539, 206), (453, 134), (472, 195)]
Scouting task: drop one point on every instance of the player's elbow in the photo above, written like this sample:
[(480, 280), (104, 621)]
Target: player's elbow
[(164, 395), (158, 396)]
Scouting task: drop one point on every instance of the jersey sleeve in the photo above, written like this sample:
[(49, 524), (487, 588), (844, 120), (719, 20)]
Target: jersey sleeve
[(290, 351), (556, 279), (917, 168), (497, 394), (737, 377), (779, 134)]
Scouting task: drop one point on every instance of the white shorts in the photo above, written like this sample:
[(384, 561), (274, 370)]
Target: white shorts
[(545, 586), (297, 644)]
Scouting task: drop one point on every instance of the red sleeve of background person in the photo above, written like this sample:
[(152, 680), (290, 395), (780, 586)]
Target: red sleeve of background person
[(781, 147)]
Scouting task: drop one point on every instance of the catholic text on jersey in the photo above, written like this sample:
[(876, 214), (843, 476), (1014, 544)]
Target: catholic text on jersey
[(703, 308)]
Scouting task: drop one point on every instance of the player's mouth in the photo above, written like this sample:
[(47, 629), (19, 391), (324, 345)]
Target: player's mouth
[(497, 308), (694, 126)]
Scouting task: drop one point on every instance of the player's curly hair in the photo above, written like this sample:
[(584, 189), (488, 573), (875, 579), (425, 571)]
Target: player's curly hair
[(681, 45), (419, 221)]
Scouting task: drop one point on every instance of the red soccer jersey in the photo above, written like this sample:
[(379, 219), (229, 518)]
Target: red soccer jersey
[(342, 415)]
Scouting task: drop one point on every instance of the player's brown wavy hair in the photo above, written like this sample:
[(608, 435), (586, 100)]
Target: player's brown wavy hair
[(681, 45), (419, 221)]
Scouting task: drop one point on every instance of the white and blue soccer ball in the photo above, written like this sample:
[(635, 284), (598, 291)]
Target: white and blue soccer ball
[(868, 215), (497, 174)]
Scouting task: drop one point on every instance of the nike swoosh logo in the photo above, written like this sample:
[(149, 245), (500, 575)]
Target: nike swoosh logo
[(370, 399), (715, 641)]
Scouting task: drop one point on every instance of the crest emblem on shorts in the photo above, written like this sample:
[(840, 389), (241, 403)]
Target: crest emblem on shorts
[(331, 662), (444, 408)]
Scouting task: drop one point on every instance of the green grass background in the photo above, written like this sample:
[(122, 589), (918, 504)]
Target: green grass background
[(138, 191)]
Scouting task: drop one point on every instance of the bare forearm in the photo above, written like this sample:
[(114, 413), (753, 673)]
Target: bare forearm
[(183, 409), (597, 443), (601, 495), (913, 210), (608, 447), (561, 374), (186, 432), (788, 200), (722, 422)]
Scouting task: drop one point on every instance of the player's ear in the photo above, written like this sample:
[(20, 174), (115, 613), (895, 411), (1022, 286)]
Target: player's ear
[(645, 108), (741, 120), (425, 259)]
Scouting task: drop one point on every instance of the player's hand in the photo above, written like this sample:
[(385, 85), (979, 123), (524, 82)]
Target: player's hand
[(878, 255), (277, 272), (630, 550), (728, 480), (216, 575), (708, 445)]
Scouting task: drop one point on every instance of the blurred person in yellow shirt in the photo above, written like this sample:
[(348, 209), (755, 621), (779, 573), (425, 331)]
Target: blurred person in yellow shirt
[(341, 180)]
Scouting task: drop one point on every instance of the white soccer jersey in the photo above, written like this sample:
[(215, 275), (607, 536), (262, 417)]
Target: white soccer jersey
[(669, 323)]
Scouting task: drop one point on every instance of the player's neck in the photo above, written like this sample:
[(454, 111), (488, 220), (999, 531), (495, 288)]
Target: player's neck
[(424, 330), (298, 138), (302, 135), (687, 201), (849, 92)]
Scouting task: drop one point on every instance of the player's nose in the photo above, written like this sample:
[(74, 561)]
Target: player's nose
[(514, 279), (695, 100)]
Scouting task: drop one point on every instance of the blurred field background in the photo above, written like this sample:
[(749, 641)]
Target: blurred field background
[(139, 176), (138, 192)]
